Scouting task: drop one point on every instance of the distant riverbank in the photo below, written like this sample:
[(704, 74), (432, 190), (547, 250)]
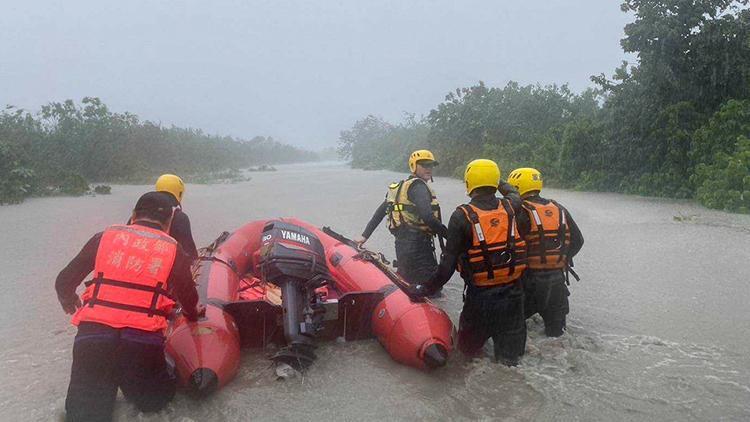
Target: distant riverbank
[(65, 146)]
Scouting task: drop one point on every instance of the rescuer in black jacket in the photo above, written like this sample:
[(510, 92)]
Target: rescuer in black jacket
[(552, 240), (180, 229), (485, 245), (413, 218)]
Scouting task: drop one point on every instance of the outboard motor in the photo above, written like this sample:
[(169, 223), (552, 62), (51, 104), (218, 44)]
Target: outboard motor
[(294, 259)]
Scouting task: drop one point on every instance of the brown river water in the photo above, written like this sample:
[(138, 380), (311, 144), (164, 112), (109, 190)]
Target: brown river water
[(659, 326)]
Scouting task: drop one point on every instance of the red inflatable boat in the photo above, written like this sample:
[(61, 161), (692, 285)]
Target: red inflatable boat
[(288, 283)]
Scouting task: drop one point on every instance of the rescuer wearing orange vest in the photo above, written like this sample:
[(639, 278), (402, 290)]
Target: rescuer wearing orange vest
[(138, 271), (486, 247), (552, 240)]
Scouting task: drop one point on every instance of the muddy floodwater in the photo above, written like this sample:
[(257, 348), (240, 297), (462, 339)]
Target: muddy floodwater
[(659, 327)]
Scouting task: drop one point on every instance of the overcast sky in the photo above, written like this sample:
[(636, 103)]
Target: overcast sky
[(298, 71)]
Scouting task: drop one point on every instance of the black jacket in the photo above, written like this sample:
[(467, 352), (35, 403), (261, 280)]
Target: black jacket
[(181, 232), (419, 194), (180, 279), (460, 235)]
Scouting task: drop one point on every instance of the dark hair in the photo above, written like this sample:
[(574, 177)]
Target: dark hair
[(155, 206)]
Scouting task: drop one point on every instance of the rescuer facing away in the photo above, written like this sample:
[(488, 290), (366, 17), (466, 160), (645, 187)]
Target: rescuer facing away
[(486, 247), (552, 240), (121, 316)]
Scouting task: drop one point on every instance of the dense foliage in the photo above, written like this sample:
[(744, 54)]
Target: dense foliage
[(373, 143), (67, 145), (675, 124)]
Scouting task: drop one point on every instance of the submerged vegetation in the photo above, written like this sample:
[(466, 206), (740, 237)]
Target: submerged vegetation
[(66, 146), (675, 124)]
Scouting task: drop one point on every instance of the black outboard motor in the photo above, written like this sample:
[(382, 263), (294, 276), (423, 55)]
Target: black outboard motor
[(294, 259)]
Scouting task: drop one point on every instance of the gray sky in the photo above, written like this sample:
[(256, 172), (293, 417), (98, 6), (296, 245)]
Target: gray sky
[(297, 71)]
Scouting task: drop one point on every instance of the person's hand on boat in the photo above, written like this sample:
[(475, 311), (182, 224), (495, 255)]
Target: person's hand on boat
[(361, 241), (200, 311), (418, 290), (71, 305)]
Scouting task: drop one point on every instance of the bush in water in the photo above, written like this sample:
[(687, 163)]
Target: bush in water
[(725, 184), (102, 189), (72, 184)]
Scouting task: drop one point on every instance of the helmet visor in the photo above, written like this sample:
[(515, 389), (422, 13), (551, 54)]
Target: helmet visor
[(428, 164)]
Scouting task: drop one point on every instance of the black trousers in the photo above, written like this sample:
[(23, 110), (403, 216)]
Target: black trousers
[(547, 294), (105, 358), (497, 313), (415, 257)]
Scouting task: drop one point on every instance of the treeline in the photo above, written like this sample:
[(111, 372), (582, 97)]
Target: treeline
[(675, 124), (67, 145)]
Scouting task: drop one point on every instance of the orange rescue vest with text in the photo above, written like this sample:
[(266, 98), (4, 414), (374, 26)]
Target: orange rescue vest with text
[(129, 288), (497, 254), (549, 237)]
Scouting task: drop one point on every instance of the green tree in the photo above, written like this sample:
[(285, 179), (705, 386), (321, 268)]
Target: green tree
[(722, 151), (66, 145), (15, 179)]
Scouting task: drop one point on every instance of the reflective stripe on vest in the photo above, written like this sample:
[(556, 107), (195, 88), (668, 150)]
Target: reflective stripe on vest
[(402, 212), (497, 253), (548, 240), (133, 264)]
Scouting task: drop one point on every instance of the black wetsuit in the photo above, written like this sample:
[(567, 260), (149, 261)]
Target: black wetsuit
[(546, 290), (182, 233), (415, 249), (488, 312), (105, 358)]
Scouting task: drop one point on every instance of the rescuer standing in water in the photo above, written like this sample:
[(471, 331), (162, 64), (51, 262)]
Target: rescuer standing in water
[(180, 229), (413, 218), (486, 247), (122, 314), (552, 240)]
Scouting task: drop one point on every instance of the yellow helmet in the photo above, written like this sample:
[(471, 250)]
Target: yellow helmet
[(526, 180), (420, 155), (481, 173), (172, 184)]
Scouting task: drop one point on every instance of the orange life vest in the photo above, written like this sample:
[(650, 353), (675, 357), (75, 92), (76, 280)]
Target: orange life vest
[(549, 238), (497, 254), (129, 288)]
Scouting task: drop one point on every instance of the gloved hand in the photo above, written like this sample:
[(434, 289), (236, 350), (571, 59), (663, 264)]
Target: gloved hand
[(70, 305), (200, 311), (422, 290), (417, 290), (505, 188), (443, 231)]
